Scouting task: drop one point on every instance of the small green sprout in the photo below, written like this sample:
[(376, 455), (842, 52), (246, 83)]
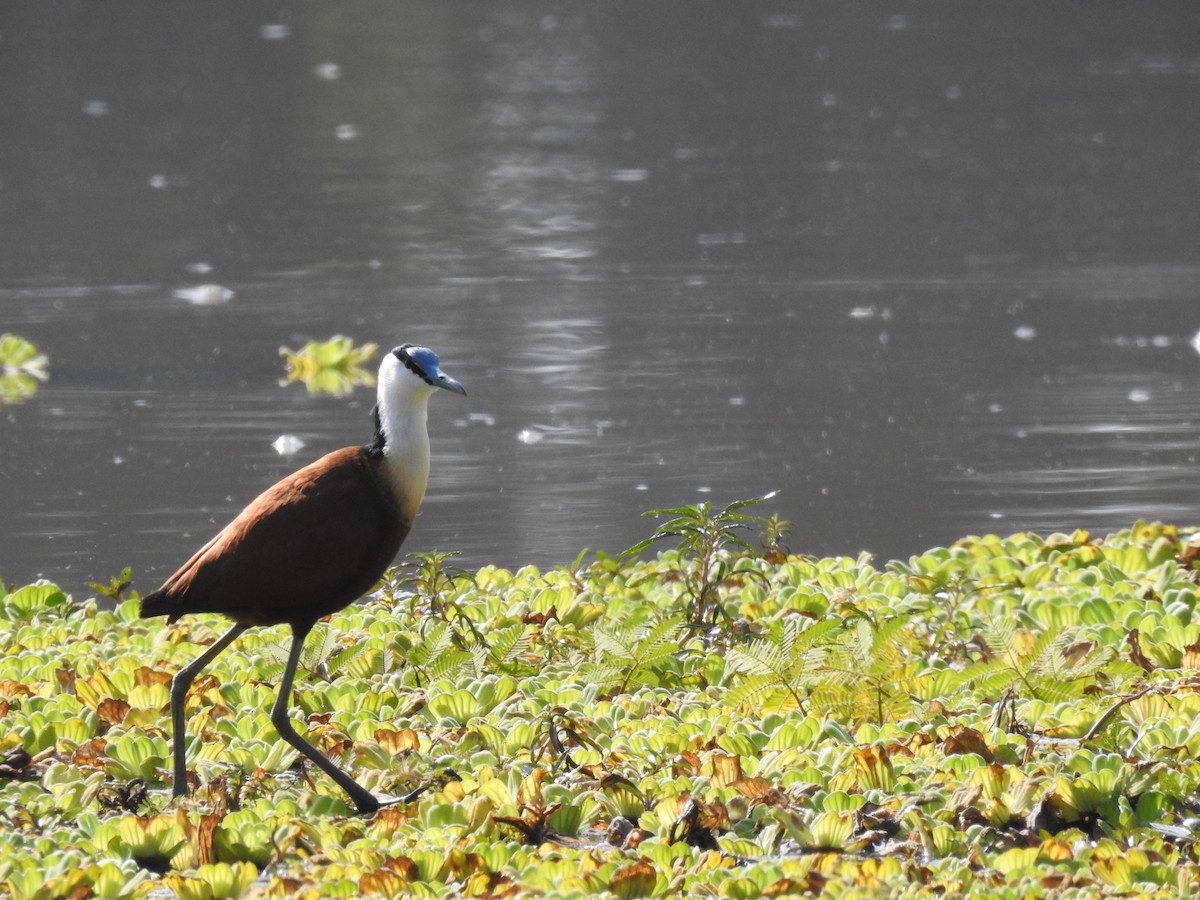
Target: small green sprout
[(706, 537)]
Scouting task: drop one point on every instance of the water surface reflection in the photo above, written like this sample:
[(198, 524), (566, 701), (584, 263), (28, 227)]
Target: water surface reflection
[(926, 273)]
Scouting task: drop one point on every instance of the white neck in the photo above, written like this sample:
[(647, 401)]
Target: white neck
[(403, 404)]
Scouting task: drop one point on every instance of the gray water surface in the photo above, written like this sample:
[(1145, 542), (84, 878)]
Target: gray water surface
[(926, 269)]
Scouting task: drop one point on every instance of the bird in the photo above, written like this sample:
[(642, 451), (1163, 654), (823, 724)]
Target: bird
[(310, 545)]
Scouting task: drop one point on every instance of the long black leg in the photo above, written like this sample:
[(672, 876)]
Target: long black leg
[(179, 688), (362, 798)]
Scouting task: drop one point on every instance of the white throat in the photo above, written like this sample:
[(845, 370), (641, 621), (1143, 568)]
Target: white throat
[(403, 407)]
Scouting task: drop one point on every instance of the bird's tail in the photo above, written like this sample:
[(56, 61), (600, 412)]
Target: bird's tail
[(156, 604)]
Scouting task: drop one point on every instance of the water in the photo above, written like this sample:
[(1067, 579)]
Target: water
[(926, 270)]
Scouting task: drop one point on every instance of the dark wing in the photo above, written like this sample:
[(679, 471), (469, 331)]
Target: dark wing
[(306, 547)]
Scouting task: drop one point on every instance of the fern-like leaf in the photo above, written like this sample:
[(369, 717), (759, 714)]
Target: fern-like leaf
[(636, 649), (435, 640), (508, 645), (780, 666), (342, 658), (450, 665)]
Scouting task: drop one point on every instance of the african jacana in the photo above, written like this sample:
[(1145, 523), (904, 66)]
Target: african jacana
[(312, 544)]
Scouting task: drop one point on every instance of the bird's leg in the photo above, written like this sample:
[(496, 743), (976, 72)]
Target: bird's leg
[(362, 798), (179, 688)]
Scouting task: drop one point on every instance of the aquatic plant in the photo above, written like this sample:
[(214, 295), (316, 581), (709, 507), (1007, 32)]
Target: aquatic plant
[(22, 367), (704, 538), (335, 367), (1006, 716), (781, 667)]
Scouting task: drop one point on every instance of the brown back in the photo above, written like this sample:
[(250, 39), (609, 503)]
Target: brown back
[(304, 548)]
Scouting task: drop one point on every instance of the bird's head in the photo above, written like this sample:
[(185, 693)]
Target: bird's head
[(408, 377), (413, 372)]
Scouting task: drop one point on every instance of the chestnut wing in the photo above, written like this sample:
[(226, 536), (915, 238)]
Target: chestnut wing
[(306, 547)]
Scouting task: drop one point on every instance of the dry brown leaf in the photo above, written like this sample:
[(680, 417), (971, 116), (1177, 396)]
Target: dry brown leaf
[(113, 710)]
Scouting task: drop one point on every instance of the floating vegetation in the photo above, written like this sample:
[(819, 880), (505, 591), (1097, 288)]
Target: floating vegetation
[(334, 367), (22, 367), (1014, 717)]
